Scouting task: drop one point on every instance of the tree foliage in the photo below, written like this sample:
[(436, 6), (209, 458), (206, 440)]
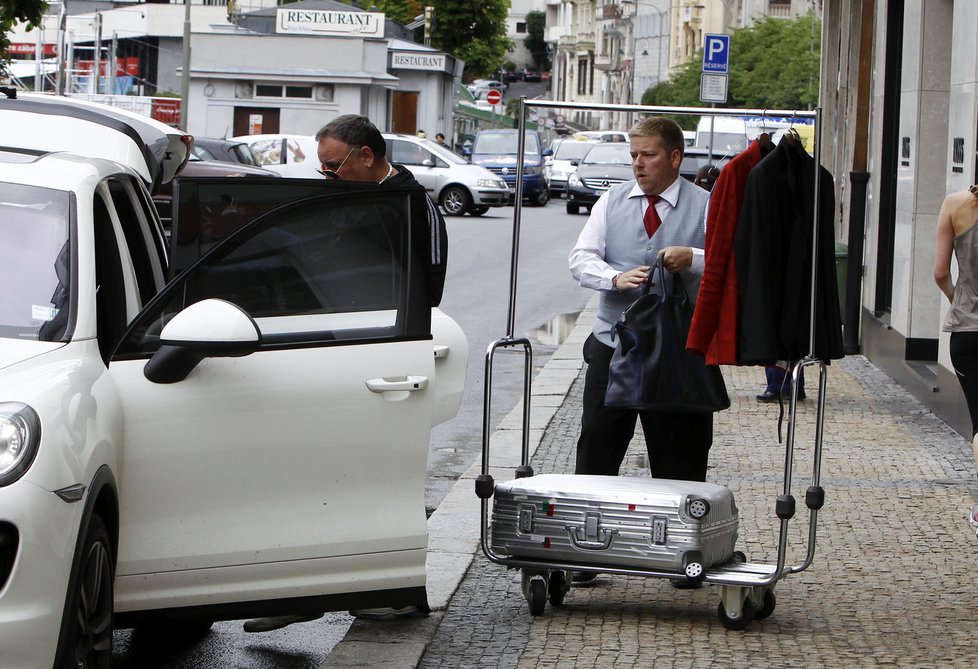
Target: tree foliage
[(536, 25), (17, 11), (473, 30), (774, 64)]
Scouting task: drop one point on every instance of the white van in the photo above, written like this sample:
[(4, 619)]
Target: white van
[(731, 134)]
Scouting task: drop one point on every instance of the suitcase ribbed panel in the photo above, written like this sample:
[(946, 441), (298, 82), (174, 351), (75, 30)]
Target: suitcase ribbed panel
[(641, 523)]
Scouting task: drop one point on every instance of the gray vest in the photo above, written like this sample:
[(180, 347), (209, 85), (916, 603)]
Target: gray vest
[(627, 245)]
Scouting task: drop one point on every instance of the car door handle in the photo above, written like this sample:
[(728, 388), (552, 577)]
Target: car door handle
[(441, 351), (399, 386)]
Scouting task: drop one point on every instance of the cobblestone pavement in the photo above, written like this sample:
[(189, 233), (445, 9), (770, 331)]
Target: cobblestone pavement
[(889, 585)]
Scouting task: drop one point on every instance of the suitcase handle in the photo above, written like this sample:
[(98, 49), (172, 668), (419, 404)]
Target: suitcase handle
[(601, 541)]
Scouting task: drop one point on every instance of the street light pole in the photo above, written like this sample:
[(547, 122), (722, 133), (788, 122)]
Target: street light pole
[(185, 83)]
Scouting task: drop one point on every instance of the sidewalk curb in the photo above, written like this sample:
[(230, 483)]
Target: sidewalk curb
[(454, 528)]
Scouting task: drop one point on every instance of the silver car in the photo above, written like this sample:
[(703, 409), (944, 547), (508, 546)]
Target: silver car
[(455, 184)]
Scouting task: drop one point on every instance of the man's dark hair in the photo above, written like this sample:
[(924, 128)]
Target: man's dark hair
[(355, 130)]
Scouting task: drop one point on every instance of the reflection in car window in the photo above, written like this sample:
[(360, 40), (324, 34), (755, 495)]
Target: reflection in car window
[(35, 263), (571, 150), (310, 272), (268, 151)]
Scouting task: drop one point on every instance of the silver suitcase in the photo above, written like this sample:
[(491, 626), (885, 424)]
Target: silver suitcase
[(640, 523)]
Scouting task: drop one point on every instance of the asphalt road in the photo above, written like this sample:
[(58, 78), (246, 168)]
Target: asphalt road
[(477, 296)]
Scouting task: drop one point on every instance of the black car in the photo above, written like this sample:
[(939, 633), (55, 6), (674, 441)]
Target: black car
[(530, 74), (605, 165)]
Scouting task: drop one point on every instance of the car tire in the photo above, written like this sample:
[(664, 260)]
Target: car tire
[(455, 200), (478, 211), (573, 208), (541, 198), (87, 638)]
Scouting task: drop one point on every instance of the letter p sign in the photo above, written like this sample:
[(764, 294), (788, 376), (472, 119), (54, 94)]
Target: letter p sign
[(716, 53)]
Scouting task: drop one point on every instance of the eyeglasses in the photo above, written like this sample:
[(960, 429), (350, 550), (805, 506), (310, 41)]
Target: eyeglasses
[(333, 174)]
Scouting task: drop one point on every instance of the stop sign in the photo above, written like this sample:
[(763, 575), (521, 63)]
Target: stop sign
[(494, 97)]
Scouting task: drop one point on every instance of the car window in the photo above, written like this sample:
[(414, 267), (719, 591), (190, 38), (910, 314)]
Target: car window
[(243, 154), (327, 270), (571, 150), (505, 143), (408, 153), (268, 151), (36, 263), (203, 153), (609, 154), (295, 152), (144, 248)]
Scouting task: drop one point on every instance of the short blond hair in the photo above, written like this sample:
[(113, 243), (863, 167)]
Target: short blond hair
[(667, 130)]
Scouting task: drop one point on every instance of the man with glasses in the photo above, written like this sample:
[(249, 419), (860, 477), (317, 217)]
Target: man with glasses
[(351, 148)]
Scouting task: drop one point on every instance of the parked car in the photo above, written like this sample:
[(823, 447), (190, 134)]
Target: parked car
[(480, 87), (530, 74), (249, 439), (604, 165), (497, 150), (228, 150), (695, 158), (458, 186), (196, 167), (567, 153), (289, 155)]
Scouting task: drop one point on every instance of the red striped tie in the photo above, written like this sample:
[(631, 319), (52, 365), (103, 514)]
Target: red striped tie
[(652, 220)]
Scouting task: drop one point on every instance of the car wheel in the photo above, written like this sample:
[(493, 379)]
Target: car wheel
[(573, 208), (87, 641), (478, 211), (454, 200), (541, 198)]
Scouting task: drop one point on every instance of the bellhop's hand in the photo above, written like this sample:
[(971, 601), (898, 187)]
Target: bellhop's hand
[(633, 278), (676, 258)]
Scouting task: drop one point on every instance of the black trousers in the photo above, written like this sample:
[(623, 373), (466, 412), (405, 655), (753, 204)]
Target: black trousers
[(678, 443), (964, 359)]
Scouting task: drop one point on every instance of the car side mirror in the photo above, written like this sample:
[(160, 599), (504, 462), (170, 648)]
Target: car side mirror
[(207, 329), (575, 162), (548, 152), (427, 162)]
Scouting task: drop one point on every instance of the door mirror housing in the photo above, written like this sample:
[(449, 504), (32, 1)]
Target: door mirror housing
[(207, 329)]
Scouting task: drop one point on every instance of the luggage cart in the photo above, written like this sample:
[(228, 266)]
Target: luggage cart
[(746, 588)]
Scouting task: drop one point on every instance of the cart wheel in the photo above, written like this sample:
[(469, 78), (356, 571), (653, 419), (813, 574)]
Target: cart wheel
[(694, 571), (738, 556), (770, 601), (746, 616), (538, 596), (698, 508), (558, 587)]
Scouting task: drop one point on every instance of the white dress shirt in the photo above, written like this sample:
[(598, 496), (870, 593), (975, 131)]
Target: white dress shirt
[(586, 259)]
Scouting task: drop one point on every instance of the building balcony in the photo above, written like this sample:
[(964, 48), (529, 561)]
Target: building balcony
[(555, 33), (603, 61), (779, 10)]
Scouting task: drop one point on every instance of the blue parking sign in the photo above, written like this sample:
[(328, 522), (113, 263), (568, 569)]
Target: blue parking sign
[(716, 53)]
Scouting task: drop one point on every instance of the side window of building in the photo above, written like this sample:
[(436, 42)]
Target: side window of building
[(327, 271)]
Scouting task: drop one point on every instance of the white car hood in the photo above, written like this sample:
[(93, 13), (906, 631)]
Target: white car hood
[(13, 351)]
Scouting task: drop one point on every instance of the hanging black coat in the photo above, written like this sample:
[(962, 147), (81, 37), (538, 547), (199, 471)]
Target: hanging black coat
[(773, 251)]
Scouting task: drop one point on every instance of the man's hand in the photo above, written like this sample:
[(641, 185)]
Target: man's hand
[(676, 258), (633, 278)]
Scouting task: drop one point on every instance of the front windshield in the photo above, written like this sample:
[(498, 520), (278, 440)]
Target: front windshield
[(505, 143), (571, 150), (614, 153), (35, 270)]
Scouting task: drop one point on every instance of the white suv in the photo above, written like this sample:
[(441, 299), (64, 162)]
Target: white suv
[(249, 439)]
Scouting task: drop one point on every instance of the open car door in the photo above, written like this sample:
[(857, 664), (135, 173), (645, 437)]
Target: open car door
[(286, 464)]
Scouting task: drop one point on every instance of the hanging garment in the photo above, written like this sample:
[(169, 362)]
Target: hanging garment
[(714, 328), (772, 251)]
